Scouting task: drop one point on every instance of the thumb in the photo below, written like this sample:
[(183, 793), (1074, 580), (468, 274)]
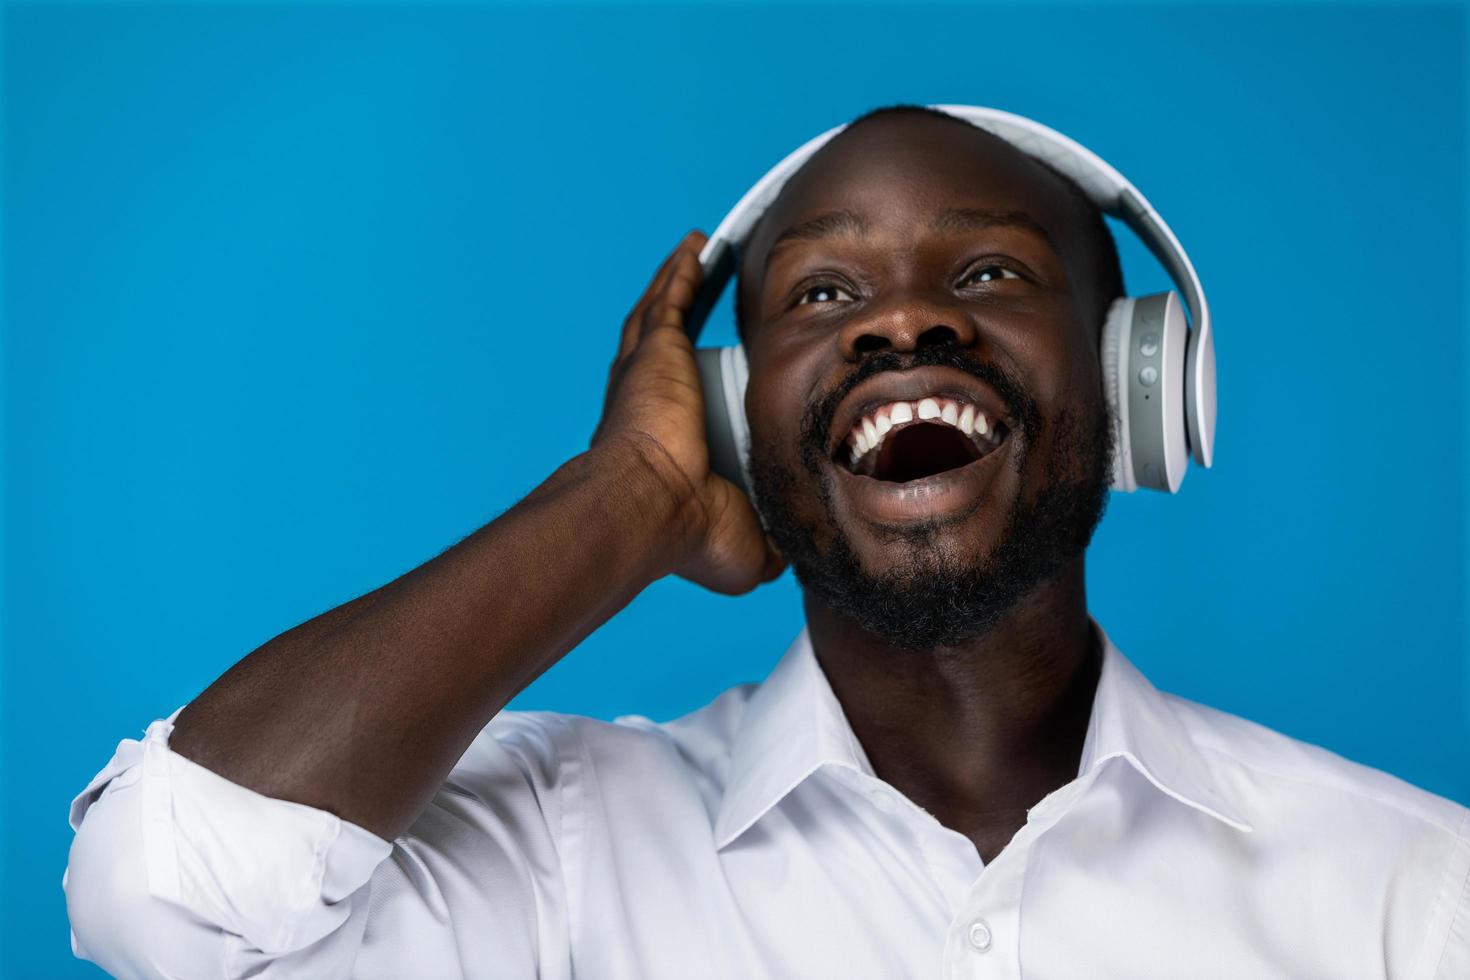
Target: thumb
[(775, 562)]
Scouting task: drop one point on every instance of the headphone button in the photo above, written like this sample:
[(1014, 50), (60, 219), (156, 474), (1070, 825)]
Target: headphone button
[(1148, 375), (1148, 346)]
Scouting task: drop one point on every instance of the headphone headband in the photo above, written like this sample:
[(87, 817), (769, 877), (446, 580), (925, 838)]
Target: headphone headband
[(1109, 190)]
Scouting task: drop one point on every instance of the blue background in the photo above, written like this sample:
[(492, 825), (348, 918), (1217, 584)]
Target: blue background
[(297, 297)]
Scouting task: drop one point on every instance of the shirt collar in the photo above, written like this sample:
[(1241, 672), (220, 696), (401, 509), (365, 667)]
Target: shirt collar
[(794, 725)]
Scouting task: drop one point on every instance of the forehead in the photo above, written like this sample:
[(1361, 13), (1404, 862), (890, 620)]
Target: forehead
[(898, 172)]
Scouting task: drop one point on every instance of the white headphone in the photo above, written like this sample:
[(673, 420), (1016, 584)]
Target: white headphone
[(1159, 374)]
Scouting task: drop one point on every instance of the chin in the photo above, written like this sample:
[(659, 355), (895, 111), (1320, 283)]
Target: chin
[(925, 546), (936, 578)]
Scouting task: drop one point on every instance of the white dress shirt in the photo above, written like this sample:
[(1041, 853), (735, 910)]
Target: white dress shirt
[(751, 839)]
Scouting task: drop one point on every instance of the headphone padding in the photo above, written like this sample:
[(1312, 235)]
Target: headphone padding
[(1114, 372)]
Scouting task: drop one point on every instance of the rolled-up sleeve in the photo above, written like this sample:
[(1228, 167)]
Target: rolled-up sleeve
[(176, 871)]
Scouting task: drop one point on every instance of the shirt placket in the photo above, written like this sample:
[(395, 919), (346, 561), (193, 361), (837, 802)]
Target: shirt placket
[(984, 937)]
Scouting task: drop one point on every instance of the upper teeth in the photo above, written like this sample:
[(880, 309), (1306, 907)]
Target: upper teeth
[(871, 430)]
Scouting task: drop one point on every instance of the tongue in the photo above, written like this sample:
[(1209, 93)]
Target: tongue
[(921, 450)]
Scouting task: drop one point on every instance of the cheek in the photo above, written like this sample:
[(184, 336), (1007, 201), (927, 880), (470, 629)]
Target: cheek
[(776, 400), (1058, 359), (1069, 383), (1064, 377), (1079, 388)]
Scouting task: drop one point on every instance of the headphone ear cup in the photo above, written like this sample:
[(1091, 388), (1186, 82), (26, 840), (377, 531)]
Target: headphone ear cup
[(1117, 329), (1144, 368), (1199, 396), (723, 374)]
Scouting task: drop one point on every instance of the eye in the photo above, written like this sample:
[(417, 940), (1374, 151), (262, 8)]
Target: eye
[(824, 293), (990, 273)]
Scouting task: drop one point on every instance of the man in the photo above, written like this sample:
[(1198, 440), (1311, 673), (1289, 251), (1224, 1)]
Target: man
[(951, 773)]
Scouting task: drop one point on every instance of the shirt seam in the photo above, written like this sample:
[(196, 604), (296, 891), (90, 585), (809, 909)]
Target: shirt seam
[(315, 893), (1455, 911), (572, 825), (1404, 810), (229, 953)]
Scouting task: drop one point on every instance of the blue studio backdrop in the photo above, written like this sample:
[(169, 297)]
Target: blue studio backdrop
[(297, 296)]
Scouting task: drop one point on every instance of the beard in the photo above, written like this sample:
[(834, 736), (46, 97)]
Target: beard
[(933, 598)]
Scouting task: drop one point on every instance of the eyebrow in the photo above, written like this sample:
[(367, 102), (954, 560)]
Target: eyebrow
[(844, 222), (827, 225), (969, 219)]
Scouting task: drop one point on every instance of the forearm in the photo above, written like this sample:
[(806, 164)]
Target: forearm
[(363, 710)]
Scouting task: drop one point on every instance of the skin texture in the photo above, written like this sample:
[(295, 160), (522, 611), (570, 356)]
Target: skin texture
[(364, 710)]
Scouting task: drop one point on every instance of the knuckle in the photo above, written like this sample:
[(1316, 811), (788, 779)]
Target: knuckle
[(666, 314)]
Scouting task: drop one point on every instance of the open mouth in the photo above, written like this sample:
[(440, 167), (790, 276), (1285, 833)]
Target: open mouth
[(904, 441)]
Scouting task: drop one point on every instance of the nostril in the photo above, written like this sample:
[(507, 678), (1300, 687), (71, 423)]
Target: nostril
[(868, 343), (937, 335)]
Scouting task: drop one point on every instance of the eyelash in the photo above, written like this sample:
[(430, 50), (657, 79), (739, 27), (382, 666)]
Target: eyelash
[(805, 290), (991, 264)]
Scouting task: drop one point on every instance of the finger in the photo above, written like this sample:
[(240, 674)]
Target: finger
[(684, 280), (775, 561), (633, 325), (679, 291), (684, 259)]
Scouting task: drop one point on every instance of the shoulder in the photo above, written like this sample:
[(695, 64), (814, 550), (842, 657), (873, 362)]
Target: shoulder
[(1360, 833), (694, 744), (1289, 772)]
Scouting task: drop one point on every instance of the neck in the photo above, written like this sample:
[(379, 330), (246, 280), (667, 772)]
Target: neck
[(978, 733)]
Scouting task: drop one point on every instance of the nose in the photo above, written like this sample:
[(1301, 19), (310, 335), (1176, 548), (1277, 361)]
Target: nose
[(905, 325)]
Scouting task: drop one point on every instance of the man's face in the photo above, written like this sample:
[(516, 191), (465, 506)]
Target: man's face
[(916, 264)]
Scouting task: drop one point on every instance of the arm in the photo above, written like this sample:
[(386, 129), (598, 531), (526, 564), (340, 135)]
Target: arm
[(363, 710)]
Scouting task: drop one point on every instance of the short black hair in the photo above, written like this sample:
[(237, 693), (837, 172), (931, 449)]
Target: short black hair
[(1098, 243)]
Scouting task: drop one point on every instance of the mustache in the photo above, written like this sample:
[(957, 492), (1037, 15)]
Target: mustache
[(817, 421)]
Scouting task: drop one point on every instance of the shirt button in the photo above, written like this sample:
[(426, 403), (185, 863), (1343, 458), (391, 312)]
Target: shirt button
[(883, 801), (980, 935)]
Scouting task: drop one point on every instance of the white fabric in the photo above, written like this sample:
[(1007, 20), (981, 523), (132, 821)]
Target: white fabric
[(751, 839)]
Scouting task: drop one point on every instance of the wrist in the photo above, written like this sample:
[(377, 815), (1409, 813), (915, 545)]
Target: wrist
[(663, 503)]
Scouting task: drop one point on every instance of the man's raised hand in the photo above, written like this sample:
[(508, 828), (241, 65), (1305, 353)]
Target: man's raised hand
[(654, 408)]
